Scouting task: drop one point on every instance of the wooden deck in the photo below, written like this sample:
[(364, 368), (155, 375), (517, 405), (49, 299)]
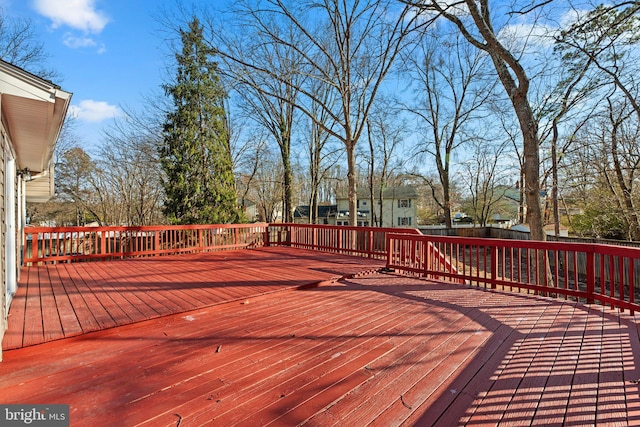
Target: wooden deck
[(63, 300), (376, 349)]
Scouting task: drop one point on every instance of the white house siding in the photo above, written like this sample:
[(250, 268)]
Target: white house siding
[(9, 246), (4, 300), (32, 111), (393, 215)]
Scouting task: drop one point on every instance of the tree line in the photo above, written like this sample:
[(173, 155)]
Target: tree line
[(481, 105)]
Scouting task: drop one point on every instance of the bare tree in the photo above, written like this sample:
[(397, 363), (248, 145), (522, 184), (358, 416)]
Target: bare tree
[(475, 21), (269, 100), (614, 150), (266, 187), (76, 183), (349, 46), (21, 46), (321, 160), (485, 178), (384, 134), (451, 92), (129, 159), (605, 40)]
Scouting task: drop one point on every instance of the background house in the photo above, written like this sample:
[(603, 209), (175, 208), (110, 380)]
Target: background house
[(398, 208), (32, 114), (326, 214)]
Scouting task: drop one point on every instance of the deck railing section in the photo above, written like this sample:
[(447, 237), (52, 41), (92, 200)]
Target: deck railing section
[(585, 272), (581, 271), (369, 242), (55, 244)]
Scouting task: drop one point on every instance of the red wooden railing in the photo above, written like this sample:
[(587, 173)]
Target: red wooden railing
[(370, 242), (54, 244), (585, 272)]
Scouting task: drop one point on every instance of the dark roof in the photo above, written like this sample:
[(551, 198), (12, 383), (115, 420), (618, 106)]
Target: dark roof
[(405, 192), (323, 211)]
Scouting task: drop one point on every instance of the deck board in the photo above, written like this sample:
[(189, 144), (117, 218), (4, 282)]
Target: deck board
[(375, 349)]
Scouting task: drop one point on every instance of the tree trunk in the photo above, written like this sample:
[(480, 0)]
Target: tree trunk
[(521, 215), (530, 146), (287, 180), (554, 189), (447, 202), (351, 180)]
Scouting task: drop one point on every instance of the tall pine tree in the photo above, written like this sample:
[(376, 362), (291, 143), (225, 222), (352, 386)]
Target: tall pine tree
[(195, 153)]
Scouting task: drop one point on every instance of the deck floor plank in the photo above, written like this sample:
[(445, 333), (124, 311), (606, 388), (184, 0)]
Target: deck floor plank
[(51, 324), (259, 347), (14, 336), (67, 315), (33, 332)]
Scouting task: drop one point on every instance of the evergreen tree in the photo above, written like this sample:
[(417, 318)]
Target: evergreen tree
[(195, 152)]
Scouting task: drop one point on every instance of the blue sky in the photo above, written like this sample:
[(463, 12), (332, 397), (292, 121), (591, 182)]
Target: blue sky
[(108, 53)]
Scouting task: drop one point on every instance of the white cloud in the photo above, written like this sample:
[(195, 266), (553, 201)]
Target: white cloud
[(524, 34), (74, 42), (77, 14), (78, 42), (94, 111)]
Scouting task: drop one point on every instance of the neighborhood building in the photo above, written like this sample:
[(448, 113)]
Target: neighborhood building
[(32, 113), (398, 208), (326, 214)]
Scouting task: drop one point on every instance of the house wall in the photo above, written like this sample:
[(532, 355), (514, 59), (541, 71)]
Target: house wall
[(10, 209), (390, 212), (4, 309)]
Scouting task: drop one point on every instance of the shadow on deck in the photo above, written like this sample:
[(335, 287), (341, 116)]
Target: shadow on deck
[(373, 349)]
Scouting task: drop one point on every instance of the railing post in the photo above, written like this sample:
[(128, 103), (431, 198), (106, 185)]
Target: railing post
[(370, 239), (103, 242), (591, 275), (25, 247), (389, 249), (428, 261), (494, 266), (267, 237), (314, 239)]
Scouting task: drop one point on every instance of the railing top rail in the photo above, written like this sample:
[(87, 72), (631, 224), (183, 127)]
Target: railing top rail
[(527, 244), (411, 231), (81, 228)]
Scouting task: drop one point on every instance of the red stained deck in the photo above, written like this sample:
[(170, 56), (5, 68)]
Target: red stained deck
[(377, 349)]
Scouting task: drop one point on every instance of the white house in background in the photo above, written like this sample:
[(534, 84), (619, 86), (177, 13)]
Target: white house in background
[(399, 208), (32, 113)]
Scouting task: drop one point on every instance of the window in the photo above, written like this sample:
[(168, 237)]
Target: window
[(404, 220), (404, 203)]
